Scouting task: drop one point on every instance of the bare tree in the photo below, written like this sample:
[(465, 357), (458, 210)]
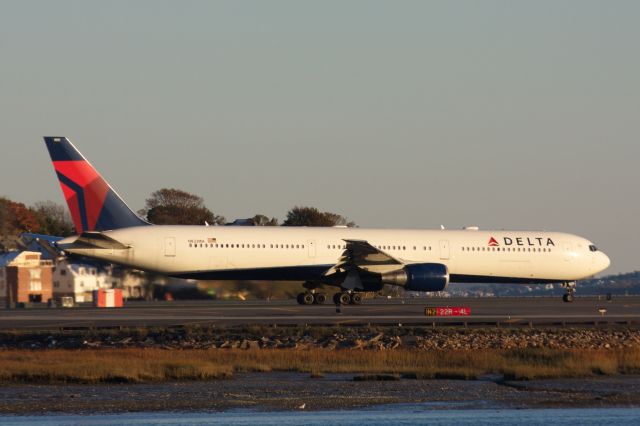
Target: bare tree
[(170, 206), (262, 220), (311, 216), (54, 219)]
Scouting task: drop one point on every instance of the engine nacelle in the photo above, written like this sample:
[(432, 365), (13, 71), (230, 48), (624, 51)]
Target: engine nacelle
[(419, 277)]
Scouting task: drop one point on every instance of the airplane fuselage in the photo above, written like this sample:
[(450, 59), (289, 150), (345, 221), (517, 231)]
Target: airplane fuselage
[(305, 253)]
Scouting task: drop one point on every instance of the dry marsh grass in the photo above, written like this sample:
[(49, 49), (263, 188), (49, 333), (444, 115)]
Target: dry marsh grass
[(151, 364)]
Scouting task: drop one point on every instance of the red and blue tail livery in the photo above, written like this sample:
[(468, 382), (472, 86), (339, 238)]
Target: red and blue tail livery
[(93, 204)]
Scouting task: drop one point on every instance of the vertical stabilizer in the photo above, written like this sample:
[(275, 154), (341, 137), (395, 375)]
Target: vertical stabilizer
[(93, 204)]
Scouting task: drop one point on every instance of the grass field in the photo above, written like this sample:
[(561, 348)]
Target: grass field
[(152, 365)]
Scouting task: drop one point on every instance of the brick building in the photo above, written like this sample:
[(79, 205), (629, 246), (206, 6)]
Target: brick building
[(25, 278)]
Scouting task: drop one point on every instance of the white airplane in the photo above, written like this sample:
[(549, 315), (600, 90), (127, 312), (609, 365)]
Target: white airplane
[(354, 260)]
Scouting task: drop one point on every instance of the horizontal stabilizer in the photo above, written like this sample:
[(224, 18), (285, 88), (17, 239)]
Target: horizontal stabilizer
[(94, 240)]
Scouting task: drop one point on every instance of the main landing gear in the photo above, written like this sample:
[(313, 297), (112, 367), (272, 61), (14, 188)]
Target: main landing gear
[(345, 298), (342, 298), (308, 298), (569, 295)]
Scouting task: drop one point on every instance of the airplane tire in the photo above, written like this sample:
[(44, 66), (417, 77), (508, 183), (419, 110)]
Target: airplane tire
[(319, 298), (344, 298), (307, 298), (567, 298), (299, 299), (356, 299)]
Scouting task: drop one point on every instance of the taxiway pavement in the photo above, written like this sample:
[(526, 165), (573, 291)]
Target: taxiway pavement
[(585, 311)]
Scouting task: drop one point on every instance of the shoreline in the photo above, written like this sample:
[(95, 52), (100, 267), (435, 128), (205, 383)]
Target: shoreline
[(324, 368)]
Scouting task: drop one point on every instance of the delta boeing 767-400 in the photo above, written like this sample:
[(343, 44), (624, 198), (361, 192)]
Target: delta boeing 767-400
[(354, 260)]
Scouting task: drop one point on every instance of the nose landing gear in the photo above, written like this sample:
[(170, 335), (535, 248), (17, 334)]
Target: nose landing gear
[(568, 297)]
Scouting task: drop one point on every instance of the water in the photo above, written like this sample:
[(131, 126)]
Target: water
[(406, 414)]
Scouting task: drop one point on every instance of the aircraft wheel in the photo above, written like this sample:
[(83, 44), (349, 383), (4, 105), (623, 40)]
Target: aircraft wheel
[(307, 298), (299, 298), (319, 298), (356, 298), (344, 298), (567, 298)]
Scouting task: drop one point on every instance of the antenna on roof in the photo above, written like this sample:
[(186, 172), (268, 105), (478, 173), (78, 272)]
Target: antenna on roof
[(206, 223), (442, 227)]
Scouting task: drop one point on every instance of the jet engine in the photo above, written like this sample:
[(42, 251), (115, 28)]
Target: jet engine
[(419, 277)]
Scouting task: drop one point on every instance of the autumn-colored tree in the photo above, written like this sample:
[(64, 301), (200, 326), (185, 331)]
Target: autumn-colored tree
[(311, 216), (170, 206), (15, 218)]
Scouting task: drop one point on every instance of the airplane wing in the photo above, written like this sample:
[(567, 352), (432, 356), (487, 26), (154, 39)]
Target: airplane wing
[(359, 254), (28, 237), (42, 243)]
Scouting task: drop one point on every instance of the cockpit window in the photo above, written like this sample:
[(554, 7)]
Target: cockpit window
[(593, 248)]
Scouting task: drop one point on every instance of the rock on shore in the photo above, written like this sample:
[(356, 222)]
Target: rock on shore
[(356, 338)]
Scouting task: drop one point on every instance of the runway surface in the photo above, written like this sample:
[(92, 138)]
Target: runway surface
[(586, 311)]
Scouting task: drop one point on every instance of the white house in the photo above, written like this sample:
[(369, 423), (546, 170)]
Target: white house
[(78, 281)]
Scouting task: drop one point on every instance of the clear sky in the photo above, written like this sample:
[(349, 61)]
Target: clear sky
[(501, 114)]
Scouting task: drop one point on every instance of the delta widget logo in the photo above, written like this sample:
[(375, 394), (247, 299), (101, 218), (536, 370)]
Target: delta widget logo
[(493, 242)]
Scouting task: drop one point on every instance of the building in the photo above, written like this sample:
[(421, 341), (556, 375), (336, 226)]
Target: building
[(78, 280), (134, 285), (25, 278)]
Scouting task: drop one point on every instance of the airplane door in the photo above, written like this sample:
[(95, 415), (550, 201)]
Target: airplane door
[(444, 250), (312, 248), (169, 246)]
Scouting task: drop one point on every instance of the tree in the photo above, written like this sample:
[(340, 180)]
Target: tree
[(15, 218), (262, 220), (54, 219), (176, 207), (4, 217), (311, 216)]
